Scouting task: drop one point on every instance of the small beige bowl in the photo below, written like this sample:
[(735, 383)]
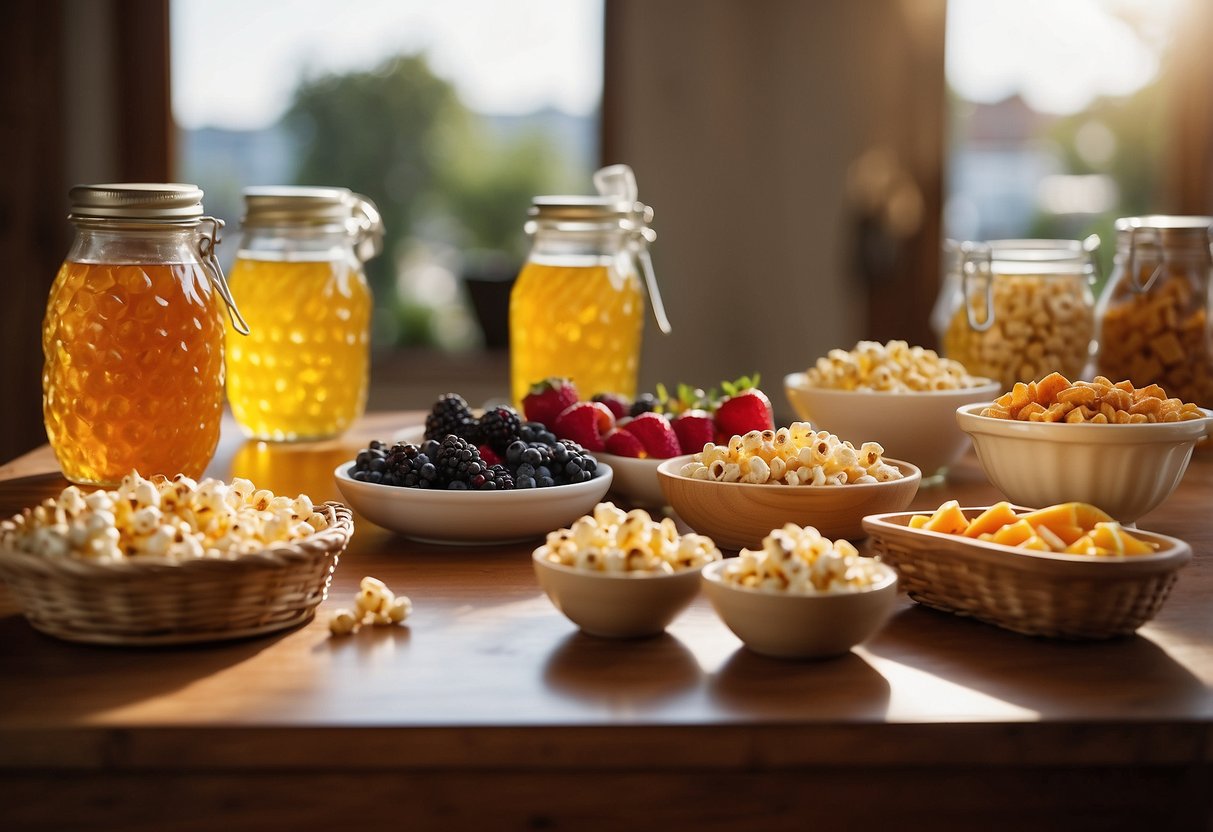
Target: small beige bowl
[(793, 626), (917, 427), (1126, 470), (635, 479), (616, 605), (739, 515)]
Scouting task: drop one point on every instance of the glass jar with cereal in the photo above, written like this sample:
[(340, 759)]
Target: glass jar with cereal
[(1017, 310), (1153, 315)]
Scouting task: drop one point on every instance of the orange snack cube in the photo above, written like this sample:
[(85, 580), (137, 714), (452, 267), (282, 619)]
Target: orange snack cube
[(948, 518), (991, 520)]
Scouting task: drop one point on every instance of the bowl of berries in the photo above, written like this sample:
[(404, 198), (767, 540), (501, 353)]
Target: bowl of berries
[(635, 436), (473, 479)]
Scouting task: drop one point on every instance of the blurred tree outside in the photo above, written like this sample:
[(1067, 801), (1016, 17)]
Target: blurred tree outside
[(453, 198)]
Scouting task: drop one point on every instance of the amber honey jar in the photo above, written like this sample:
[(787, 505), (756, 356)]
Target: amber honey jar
[(303, 371), (1154, 312), (133, 336)]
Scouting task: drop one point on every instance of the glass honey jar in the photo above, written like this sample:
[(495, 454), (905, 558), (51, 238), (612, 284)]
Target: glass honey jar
[(133, 336), (577, 309), (303, 372), (1154, 312)]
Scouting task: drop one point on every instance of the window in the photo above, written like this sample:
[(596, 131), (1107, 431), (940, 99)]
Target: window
[(449, 116)]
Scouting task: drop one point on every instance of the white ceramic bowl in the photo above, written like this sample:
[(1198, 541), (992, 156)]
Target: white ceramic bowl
[(917, 427), (617, 605), (472, 517), (739, 515), (1126, 470), (635, 479), (788, 625)]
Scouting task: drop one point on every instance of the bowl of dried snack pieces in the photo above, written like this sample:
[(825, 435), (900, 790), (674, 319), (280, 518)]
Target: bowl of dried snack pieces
[(1116, 446), (801, 595), (900, 396), (737, 492), (622, 574)]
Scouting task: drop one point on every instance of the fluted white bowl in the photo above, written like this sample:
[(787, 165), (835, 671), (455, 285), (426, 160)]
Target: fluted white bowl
[(915, 426), (1126, 470)]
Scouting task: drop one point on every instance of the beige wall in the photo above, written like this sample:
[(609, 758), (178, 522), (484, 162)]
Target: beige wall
[(743, 122)]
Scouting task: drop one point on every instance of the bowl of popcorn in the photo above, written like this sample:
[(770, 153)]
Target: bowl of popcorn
[(801, 595), (737, 492), (900, 396), (1116, 446), (622, 574), (171, 561)]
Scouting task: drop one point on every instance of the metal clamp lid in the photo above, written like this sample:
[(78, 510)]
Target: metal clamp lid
[(206, 249), (1161, 234), (620, 181), (316, 208)]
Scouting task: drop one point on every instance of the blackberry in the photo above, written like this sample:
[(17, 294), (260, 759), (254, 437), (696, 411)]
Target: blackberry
[(499, 427), (644, 403), (496, 478), (571, 463), (450, 416), (458, 463), (536, 432), (411, 468), (371, 463)]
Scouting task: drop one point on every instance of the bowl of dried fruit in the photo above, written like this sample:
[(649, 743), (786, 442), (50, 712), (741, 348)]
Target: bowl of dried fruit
[(736, 493), (171, 562), (900, 396), (1121, 448)]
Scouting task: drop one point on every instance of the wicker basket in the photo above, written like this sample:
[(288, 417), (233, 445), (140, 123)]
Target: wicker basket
[(1034, 593), (159, 602)]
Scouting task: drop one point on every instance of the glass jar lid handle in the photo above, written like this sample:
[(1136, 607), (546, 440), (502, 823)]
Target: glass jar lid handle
[(1134, 280), (620, 181), (206, 248), (975, 262), (367, 228)]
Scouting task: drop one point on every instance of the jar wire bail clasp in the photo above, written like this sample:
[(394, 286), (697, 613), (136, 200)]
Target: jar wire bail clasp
[(366, 227), (620, 181), (1090, 245), (976, 267), (206, 249), (1134, 276)]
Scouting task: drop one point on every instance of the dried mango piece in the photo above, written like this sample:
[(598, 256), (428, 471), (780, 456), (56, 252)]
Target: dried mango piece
[(1015, 533), (991, 520), (918, 521), (1063, 515), (948, 518), (1084, 546), (1035, 544), (1116, 540)]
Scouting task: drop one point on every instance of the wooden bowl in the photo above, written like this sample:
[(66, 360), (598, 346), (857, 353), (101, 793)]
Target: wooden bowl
[(739, 515)]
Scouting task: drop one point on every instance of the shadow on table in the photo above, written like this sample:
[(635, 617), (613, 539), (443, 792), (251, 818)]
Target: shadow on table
[(1088, 679), (44, 675), (841, 687), (27, 492), (621, 672)]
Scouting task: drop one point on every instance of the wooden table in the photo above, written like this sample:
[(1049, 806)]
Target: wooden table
[(490, 711)]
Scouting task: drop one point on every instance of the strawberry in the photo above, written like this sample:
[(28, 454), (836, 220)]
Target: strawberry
[(694, 429), (655, 433), (547, 399), (622, 443), (744, 409), (586, 423), (619, 405)]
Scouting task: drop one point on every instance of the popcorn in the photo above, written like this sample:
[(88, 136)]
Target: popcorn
[(178, 520), (375, 603), (1055, 399), (797, 559), (795, 455), (895, 367), (611, 540)]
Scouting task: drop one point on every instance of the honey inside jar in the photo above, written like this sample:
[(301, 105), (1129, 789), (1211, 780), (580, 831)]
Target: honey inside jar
[(582, 322), (302, 371), (133, 378)]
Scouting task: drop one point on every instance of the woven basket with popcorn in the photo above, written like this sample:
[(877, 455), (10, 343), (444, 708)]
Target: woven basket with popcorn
[(171, 561)]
